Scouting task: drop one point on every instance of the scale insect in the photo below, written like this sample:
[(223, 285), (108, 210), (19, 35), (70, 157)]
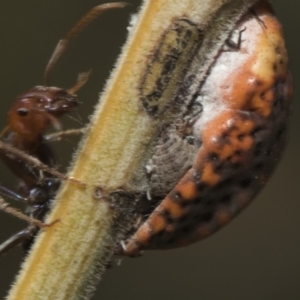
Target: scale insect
[(235, 140), (23, 147)]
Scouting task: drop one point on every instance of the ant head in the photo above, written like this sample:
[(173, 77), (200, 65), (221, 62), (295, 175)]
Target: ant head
[(49, 100), (39, 108)]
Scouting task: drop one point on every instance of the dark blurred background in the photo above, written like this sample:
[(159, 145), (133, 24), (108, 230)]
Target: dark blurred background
[(257, 256)]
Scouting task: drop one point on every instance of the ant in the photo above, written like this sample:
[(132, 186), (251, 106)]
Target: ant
[(24, 148)]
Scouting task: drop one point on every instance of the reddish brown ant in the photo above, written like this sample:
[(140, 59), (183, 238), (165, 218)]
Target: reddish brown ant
[(23, 147)]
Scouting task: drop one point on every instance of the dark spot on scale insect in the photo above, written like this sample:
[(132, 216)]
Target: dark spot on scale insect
[(224, 139), (183, 219), (259, 166), (225, 199), (258, 149), (230, 181), (241, 137), (170, 240), (207, 217), (269, 151), (238, 152), (213, 156), (202, 186), (279, 90), (276, 102), (258, 82), (185, 204), (166, 215), (229, 158), (262, 95), (158, 235), (236, 166), (186, 229), (210, 202), (256, 130), (219, 167), (278, 49), (198, 200), (280, 132), (196, 217), (178, 195), (245, 183)]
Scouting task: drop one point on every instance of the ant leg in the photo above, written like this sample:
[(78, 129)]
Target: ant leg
[(13, 211), (233, 43), (256, 16), (37, 163), (17, 239), (6, 192), (57, 136)]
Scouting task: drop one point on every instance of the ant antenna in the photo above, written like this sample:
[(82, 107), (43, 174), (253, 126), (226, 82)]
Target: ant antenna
[(81, 81), (63, 44)]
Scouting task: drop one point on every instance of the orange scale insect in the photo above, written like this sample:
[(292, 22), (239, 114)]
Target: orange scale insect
[(241, 132)]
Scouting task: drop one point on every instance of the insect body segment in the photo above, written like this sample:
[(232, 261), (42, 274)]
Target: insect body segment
[(241, 132)]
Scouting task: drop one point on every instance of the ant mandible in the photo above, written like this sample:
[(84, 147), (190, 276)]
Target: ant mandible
[(23, 147)]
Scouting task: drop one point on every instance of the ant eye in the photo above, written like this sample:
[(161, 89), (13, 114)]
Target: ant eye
[(22, 112)]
